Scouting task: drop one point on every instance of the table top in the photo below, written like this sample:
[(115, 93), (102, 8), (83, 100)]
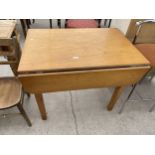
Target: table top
[(6, 28), (52, 50)]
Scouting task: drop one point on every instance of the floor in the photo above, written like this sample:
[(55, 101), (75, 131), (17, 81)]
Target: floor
[(84, 111)]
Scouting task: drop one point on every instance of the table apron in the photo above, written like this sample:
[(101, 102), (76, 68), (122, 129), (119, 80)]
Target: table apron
[(51, 82)]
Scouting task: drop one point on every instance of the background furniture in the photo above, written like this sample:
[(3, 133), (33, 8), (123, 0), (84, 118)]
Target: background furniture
[(8, 28), (7, 31), (84, 23), (11, 93), (145, 35), (147, 49), (69, 23), (25, 23), (79, 59)]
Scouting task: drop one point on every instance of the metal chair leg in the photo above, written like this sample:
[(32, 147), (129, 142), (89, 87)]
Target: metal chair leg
[(152, 108), (123, 105), (21, 109)]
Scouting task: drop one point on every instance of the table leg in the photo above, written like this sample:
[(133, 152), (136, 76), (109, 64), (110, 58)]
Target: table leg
[(116, 94), (40, 102)]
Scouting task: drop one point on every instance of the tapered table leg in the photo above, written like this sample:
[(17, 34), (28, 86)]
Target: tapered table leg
[(40, 102), (116, 94)]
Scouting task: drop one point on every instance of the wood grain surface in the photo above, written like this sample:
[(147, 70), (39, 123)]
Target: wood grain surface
[(6, 28), (51, 82), (76, 49)]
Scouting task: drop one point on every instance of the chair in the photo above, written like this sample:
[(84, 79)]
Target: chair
[(84, 23), (25, 23), (11, 91), (148, 50)]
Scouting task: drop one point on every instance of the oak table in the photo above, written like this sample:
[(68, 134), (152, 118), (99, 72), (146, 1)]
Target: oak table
[(71, 59)]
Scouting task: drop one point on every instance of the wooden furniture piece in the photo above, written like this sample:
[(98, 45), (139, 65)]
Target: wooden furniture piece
[(7, 28), (79, 59), (147, 49), (11, 93), (8, 31)]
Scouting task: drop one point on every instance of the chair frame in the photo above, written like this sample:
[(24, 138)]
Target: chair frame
[(139, 26), (25, 23), (13, 57)]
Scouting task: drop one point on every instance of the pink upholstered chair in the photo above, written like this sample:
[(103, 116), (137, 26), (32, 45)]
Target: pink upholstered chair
[(83, 23)]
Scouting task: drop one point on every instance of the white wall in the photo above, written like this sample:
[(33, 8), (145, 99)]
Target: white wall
[(121, 24)]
